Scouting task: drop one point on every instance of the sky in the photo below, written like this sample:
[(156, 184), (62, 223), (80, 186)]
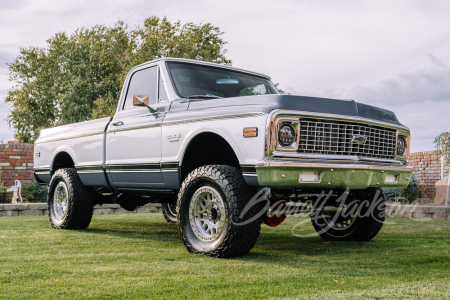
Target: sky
[(391, 54)]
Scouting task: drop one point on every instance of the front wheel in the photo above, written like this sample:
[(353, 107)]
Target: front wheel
[(359, 218), (70, 204), (210, 204)]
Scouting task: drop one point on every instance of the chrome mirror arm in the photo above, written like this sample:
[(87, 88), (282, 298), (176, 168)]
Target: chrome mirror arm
[(151, 109)]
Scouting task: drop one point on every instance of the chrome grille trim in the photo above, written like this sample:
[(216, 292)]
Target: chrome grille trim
[(272, 150), (330, 137)]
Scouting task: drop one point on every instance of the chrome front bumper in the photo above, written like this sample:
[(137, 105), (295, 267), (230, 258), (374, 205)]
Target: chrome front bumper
[(286, 174)]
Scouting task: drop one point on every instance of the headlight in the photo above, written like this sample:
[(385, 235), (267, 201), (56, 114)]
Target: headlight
[(286, 135), (401, 145)]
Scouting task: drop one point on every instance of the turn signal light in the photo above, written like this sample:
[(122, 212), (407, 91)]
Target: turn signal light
[(250, 132)]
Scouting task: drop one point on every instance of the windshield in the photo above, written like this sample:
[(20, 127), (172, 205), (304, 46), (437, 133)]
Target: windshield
[(194, 80)]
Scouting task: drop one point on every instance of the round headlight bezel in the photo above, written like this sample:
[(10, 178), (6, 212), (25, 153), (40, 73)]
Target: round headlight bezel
[(283, 139), (401, 146)]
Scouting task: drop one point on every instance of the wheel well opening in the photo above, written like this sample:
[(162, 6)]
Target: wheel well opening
[(62, 160), (207, 149)]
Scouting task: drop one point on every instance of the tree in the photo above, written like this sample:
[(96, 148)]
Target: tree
[(442, 145), (280, 90), (79, 77)]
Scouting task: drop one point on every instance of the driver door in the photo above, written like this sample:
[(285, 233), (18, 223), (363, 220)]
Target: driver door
[(134, 136)]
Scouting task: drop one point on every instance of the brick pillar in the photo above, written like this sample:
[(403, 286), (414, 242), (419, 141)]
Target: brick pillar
[(427, 170), (16, 163)]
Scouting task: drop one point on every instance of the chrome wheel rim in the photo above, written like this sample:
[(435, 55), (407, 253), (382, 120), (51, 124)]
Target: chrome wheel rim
[(207, 214), (172, 207), (60, 200), (338, 222)]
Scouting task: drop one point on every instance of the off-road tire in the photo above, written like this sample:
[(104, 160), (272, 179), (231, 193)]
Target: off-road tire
[(366, 226), (169, 211), (235, 240), (80, 201)]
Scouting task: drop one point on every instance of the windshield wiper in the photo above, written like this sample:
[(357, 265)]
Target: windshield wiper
[(205, 96)]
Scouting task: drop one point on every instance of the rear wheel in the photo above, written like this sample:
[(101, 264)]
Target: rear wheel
[(169, 211), (70, 204), (360, 219), (210, 203)]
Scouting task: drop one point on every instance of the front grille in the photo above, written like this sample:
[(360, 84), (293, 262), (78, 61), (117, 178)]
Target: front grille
[(318, 136)]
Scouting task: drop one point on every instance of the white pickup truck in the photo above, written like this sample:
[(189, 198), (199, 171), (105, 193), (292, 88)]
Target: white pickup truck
[(203, 138)]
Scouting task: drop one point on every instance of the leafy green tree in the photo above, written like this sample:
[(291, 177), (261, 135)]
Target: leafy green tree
[(79, 77), (442, 145), (280, 90)]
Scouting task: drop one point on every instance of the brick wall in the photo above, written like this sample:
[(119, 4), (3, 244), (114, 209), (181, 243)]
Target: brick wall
[(427, 170), (16, 163)]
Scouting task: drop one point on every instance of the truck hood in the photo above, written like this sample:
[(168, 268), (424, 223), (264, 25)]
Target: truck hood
[(298, 103)]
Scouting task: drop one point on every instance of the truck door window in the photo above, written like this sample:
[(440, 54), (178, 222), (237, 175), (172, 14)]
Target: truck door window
[(162, 89), (143, 82)]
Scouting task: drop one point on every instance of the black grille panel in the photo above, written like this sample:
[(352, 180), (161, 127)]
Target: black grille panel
[(318, 136)]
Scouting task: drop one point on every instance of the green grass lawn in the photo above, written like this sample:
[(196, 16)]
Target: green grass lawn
[(140, 256)]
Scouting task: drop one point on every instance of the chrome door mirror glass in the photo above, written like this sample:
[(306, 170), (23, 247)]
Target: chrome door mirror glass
[(142, 100)]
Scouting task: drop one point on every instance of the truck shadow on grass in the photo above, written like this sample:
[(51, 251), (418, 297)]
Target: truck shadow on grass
[(136, 230), (276, 244)]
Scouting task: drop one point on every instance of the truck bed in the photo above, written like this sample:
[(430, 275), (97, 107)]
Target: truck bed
[(84, 142)]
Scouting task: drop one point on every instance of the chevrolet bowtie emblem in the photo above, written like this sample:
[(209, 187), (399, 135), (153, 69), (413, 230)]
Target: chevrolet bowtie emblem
[(359, 139)]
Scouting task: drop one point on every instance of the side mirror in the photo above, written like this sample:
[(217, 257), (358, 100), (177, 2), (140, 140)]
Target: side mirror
[(142, 100)]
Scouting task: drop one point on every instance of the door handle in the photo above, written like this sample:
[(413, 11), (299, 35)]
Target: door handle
[(118, 123)]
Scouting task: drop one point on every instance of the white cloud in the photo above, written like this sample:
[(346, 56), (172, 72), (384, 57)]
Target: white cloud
[(11, 4), (428, 82), (436, 61)]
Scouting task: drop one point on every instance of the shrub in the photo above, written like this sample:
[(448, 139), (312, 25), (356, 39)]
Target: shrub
[(390, 194), (35, 192), (405, 195), (2, 193), (3, 190), (412, 191)]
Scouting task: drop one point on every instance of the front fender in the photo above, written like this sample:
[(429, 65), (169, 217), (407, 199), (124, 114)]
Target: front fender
[(227, 135), (247, 150)]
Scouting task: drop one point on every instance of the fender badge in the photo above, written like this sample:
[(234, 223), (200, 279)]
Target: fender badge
[(359, 139), (173, 137)]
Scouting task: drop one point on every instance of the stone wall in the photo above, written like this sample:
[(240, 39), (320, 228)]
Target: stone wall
[(16, 163), (392, 210), (417, 211), (427, 170), (40, 209)]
